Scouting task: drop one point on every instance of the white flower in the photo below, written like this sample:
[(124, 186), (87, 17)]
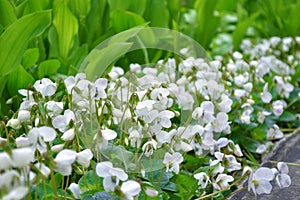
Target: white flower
[(111, 175), (184, 99), (149, 147), (274, 133), (17, 193), (115, 72), (221, 122), (204, 112), (130, 189), (14, 123), (136, 68), (5, 161), (262, 115), (240, 80), (68, 135), (45, 86), (151, 192), (222, 181), (266, 96), (238, 93), (248, 87), (22, 142), (278, 107), (215, 90), (162, 120), (172, 162), (24, 116), (225, 104), (38, 137), (135, 138), (259, 181), (64, 161), (218, 169), (54, 108), (43, 169), (144, 107), (228, 161), (202, 178), (100, 85), (84, 157), (75, 189), (282, 178), (57, 148), (61, 122), (103, 136), (22, 157)]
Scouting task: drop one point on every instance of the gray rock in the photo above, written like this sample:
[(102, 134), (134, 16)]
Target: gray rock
[(287, 150)]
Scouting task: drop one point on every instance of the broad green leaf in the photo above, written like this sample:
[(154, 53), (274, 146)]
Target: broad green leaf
[(157, 13), (118, 155), (99, 60), (186, 184), (20, 10), (207, 22), (174, 7), (34, 5), (14, 40), (31, 56), (90, 181), (66, 26), (23, 80), (158, 178), (138, 6), (7, 13), (241, 28), (48, 67), (3, 80), (118, 4), (123, 20), (80, 8), (77, 57), (97, 22), (287, 116)]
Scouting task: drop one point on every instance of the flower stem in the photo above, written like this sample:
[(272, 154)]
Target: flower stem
[(226, 188), (288, 163)]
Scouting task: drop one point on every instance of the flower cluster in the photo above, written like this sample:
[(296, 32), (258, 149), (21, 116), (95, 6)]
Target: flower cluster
[(136, 131)]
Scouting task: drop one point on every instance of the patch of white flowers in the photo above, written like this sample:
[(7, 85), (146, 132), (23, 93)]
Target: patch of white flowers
[(133, 123)]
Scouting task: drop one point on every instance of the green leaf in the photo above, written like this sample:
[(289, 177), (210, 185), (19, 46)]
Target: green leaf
[(186, 185), (14, 40), (118, 155), (34, 5), (80, 8), (287, 116), (48, 67), (241, 28), (90, 181), (23, 80), (7, 13), (207, 22), (158, 178), (138, 6), (97, 22), (118, 5), (30, 58), (66, 26), (123, 20), (99, 60), (193, 162), (157, 13)]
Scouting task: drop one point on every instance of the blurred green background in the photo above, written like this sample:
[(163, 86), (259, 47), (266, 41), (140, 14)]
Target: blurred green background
[(50, 38)]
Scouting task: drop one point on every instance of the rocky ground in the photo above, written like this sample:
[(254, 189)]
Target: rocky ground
[(287, 150)]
